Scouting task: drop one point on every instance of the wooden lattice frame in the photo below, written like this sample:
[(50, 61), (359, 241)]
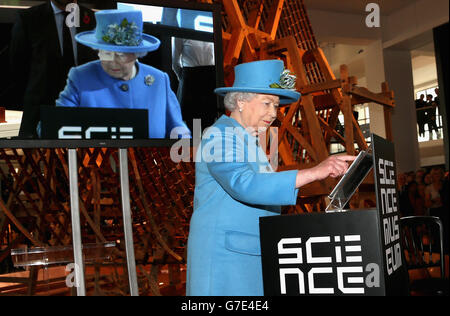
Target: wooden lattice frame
[(161, 191)]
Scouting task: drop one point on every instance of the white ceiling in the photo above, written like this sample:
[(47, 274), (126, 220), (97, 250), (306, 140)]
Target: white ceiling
[(421, 46), (387, 7), (423, 63)]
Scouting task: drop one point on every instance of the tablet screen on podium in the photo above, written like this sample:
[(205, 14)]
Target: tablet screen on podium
[(348, 184)]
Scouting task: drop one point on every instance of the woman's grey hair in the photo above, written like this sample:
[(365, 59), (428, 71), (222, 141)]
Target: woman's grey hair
[(232, 98)]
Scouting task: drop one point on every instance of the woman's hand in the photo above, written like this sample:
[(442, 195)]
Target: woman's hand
[(333, 166)]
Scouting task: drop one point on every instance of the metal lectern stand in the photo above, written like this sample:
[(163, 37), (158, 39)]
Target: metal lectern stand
[(127, 222), (76, 225)]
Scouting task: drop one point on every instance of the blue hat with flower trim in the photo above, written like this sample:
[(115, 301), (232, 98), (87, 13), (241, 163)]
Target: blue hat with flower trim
[(266, 77), (119, 31)]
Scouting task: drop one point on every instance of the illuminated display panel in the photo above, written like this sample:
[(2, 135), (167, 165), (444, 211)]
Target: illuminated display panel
[(191, 26)]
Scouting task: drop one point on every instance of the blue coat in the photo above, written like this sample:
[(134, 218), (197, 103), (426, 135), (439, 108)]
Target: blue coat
[(223, 255), (89, 85)]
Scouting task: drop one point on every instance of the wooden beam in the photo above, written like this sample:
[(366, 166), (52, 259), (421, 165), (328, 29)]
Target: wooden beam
[(234, 14), (245, 39), (284, 148), (285, 152), (308, 57), (2, 115), (239, 32), (300, 139), (32, 280), (387, 112), (17, 223), (359, 136), (318, 56), (316, 188), (317, 140), (321, 60), (334, 133), (324, 102), (226, 36), (233, 50), (327, 85), (327, 101), (14, 280), (255, 15), (337, 95), (287, 119), (3, 225), (295, 58), (271, 24), (347, 111), (380, 98)]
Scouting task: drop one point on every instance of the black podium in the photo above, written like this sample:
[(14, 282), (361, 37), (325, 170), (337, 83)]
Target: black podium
[(341, 253)]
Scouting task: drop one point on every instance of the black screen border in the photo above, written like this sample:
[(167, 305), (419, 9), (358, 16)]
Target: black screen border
[(18, 143)]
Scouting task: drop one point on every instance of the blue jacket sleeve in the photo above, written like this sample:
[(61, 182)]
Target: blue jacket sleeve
[(70, 95), (246, 185)]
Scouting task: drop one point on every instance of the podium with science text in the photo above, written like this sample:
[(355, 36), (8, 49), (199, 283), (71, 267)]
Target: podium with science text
[(355, 252)]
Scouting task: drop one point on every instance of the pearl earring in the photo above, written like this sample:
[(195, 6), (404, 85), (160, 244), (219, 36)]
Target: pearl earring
[(240, 109)]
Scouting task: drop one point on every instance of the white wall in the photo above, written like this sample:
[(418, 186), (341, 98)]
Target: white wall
[(413, 20)]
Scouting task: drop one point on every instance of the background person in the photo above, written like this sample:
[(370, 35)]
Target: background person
[(194, 65), (430, 117), (421, 114), (433, 198), (42, 50)]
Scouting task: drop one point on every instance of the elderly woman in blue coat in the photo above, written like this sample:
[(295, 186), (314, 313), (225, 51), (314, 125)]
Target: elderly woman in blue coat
[(118, 80), (236, 185)]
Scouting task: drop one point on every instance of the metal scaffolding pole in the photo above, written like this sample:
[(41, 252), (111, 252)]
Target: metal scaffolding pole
[(76, 225), (127, 221)]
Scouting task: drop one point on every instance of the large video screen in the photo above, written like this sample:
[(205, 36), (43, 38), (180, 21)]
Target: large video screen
[(166, 92)]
